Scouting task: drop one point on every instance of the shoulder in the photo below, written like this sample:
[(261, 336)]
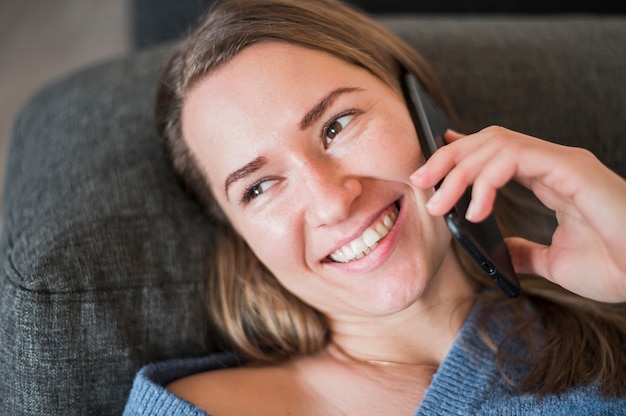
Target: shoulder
[(237, 390), (149, 394), (208, 388)]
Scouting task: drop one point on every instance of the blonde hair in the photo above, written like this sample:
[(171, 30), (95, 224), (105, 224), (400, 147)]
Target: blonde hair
[(264, 321)]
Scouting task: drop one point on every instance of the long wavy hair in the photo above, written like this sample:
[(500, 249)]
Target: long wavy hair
[(583, 339)]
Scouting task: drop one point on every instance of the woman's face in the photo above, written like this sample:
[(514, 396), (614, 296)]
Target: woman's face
[(309, 157)]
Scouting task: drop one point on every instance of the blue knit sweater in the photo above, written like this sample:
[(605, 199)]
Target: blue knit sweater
[(467, 383)]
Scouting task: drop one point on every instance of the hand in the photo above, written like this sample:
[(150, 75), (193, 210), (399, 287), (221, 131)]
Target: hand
[(588, 251)]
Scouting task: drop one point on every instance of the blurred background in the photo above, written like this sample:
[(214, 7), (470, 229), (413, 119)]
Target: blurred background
[(41, 40)]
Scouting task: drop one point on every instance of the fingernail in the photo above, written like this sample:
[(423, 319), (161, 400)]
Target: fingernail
[(469, 214), (418, 172), (432, 202)]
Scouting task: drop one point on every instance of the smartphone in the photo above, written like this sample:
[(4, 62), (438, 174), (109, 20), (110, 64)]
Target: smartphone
[(483, 240)]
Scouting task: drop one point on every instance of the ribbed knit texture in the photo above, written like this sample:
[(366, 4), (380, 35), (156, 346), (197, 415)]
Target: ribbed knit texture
[(467, 383), (149, 397)]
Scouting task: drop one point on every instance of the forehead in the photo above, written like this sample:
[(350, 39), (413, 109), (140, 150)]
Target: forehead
[(266, 73), (236, 112)]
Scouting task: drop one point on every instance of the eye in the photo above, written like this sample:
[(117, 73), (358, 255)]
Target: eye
[(332, 129), (257, 189)]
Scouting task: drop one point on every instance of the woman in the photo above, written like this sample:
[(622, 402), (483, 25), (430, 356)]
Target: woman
[(336, 279)]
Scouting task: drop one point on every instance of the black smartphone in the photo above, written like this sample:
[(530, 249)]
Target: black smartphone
[(483, 240)]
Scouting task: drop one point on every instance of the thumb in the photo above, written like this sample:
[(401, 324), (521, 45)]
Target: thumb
[(527, 256)]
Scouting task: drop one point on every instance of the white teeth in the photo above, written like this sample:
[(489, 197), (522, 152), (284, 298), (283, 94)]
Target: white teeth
[(388, 221), (370, 237), (358, 245), (381, 229), (364, 244), (339, 257), (347, 252)]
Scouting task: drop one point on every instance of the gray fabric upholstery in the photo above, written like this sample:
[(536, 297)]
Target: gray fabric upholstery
[(102, 255)]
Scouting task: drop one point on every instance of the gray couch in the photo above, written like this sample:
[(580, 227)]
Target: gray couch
[(102, 255)]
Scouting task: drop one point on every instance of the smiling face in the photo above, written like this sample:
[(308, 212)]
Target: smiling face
[(309, 157)]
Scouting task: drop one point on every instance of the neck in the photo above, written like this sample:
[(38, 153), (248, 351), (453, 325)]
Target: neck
[(338, 352), (421, 334)]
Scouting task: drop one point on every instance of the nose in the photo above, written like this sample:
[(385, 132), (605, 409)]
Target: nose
[(330, 194)]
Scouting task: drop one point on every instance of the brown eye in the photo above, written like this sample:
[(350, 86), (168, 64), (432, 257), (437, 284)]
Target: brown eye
[(335, 127), (333, 130), (257, 190)]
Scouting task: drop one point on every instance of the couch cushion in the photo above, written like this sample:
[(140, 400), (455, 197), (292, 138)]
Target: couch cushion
[(561, 79), (102, 253)]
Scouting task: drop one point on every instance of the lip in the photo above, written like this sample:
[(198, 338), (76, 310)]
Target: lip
[(379, 253)]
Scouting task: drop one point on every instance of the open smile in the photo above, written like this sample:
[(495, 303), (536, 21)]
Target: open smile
[(368, 240)]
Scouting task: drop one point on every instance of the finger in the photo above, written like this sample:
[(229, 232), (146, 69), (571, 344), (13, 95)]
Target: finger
[(469, 166), (528, 257), (452, 136), (496, 172), (441, 162), (433, 171), (481, 204)]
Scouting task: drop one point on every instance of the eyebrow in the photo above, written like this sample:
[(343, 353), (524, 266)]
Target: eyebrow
[(244, 171), (318, 109), (309, 118)]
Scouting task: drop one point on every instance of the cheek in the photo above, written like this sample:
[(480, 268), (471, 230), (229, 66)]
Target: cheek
[(276, 240), (282, 254), (394, 147)]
